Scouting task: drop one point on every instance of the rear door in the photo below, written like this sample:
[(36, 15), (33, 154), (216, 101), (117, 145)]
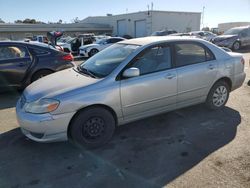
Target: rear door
[(196, 71), (14, 63)]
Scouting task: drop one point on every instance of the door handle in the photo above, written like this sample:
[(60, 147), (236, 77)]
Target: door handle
[(170, 76), (211, 67)]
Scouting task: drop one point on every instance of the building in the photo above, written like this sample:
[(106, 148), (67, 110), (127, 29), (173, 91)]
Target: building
[(222, 27), (20, 31), (140, 24)]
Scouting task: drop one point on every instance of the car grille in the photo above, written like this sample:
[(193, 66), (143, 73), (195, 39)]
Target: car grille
[(22, 101)]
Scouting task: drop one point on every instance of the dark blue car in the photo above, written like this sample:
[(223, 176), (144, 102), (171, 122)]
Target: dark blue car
[(22, 63), (234, 38)]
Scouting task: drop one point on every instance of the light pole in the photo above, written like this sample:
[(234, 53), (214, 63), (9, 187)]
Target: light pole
[(202, 20)]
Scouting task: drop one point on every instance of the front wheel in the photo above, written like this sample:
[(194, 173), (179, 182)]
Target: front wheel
[(218, 95), (236, 45), (92, 127)]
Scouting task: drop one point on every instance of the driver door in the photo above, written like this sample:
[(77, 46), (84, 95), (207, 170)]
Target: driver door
[(155, 89)]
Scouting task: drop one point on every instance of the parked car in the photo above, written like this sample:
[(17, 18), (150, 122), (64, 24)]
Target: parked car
[(73, 45), (127, 81), (234, 38), (163, 32), (206, 35), (181, 34), (22, 63), (92, 49)]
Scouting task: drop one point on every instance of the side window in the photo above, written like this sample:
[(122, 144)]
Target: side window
[(190, 53), (155, 59), (38, 51), (244, 33), (115, 40), (108, 41), (13, 52), (248, 32)]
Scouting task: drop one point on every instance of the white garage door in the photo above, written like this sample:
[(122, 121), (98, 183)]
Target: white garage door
[(140, 28), (121, 27)]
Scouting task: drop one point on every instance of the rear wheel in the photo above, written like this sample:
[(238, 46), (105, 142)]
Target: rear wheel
[(40, 74), (92, 127), (236, 45), (93, 52), (218, 95)]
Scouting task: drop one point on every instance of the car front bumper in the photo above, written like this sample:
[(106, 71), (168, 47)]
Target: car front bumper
[(225, 44), (43, 127)]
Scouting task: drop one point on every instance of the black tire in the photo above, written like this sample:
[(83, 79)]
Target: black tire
[(236, 46), (93, 52), (92, 127), (212, 101), (40, 74)]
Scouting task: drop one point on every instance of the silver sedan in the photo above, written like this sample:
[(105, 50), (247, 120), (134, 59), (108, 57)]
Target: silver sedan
[(127, 81)]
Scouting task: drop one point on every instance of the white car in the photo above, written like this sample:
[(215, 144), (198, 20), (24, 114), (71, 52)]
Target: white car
[(206, 35), (91, 49)]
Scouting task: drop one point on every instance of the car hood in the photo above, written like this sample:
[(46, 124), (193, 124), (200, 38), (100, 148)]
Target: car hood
[(88, 46), (57, 84), (224, 37)]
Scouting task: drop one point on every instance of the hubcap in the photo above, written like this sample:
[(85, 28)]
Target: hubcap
[(236, 46), (220, 96), (93, 128), (93, 52)]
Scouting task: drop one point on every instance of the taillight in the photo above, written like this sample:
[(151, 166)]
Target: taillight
[(68, 57)]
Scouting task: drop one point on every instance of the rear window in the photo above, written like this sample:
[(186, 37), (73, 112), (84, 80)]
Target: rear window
[(191, 53), (39, 51)]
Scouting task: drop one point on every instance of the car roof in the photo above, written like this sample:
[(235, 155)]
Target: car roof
[(31, 43), (157, 39), (115, 38)]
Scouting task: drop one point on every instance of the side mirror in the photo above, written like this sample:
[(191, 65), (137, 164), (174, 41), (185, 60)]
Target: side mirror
[(131, 72)]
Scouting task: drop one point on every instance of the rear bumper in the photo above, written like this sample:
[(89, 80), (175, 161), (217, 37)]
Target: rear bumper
[(238, 80)]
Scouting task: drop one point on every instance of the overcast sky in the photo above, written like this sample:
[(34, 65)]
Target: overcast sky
[(216, 11)]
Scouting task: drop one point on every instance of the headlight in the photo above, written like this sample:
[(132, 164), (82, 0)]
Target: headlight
[(42, 106)]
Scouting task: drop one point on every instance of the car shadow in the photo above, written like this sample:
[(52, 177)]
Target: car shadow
[(8, 99), (147, 153)]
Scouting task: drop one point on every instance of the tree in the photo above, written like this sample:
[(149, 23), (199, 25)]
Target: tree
[(18, 21), (60, 21), (76, 20), (29, 21), (1, 21)]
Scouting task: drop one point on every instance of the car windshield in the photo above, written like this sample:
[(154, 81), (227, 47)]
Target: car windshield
[(103, 63), (234, 31), (158, 33), (101, 41)]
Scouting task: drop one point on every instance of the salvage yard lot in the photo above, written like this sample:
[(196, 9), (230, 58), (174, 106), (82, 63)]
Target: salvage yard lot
[(191, 147)]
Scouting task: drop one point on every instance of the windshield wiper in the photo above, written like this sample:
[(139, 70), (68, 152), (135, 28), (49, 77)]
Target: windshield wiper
[(86, 71)]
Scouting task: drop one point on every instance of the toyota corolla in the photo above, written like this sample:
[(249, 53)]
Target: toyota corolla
[(130, 80)]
